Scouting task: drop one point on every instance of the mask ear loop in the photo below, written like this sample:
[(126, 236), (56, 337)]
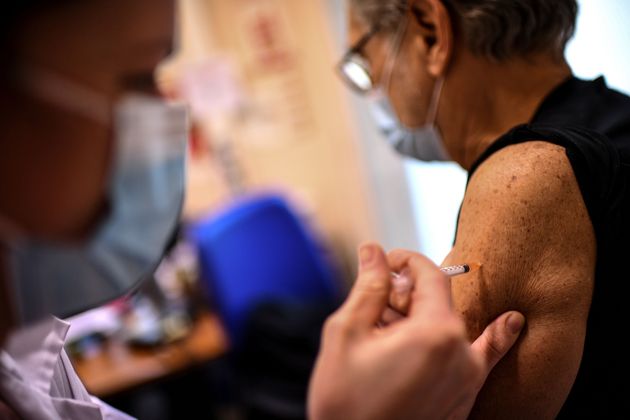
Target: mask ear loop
[(392, 56), (66, 94), (435, 101)]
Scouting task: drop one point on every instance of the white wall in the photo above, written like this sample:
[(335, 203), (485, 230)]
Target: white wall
[(437, 190), (602, 42), (601, 46)]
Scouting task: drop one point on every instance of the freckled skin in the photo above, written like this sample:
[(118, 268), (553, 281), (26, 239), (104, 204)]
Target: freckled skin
[(524, 219)]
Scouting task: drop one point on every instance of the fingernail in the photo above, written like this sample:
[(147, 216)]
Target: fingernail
[(515, 323), (366, 255), (402, 284)]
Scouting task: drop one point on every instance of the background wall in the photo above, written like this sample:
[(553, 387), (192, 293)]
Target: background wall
[(295, 132), (602, 43)]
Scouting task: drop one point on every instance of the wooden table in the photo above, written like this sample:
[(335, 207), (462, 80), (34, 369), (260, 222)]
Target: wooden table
[(118, 368)]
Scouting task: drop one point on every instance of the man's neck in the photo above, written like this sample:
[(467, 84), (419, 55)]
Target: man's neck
[(493, 98)]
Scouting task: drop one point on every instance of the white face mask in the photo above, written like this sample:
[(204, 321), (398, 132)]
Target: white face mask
[(423, 143), (146, 189)]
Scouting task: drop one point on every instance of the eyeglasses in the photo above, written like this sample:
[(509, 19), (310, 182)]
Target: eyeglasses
[(354, 69)]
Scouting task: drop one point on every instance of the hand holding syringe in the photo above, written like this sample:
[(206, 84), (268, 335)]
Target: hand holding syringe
[(402, 287)]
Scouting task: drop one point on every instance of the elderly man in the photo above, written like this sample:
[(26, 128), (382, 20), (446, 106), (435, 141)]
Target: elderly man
[(546, 203)]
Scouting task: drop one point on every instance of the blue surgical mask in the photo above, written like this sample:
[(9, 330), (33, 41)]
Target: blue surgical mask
[(146, 190), (423, 143)]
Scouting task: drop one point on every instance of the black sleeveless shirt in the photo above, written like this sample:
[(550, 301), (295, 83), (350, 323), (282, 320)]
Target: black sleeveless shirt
[(592, 123)]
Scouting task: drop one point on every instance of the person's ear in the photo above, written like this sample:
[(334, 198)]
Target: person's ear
[(435, 31)]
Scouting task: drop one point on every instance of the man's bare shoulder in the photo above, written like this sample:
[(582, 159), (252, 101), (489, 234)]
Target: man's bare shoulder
[(536, 170), (524, 219)]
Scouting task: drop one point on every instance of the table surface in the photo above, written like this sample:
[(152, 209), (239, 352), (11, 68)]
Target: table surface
[(119, 368)]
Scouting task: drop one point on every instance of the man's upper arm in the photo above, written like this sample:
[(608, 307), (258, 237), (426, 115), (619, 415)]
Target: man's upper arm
[(524, 220)]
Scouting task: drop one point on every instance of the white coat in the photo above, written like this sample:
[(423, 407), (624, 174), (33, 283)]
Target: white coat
[(38, 381)]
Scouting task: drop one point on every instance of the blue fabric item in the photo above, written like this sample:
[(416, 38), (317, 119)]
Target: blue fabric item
[(258, 251)]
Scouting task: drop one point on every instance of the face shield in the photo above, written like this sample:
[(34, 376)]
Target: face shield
[(145, 196)]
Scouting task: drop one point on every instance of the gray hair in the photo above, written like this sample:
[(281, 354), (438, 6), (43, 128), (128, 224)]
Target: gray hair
[(497, 29)]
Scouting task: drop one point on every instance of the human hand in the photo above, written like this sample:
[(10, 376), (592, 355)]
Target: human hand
[(399, 298), (419, 367)]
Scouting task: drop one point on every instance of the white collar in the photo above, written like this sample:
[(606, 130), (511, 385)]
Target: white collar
[(36, 350), (31, 362)]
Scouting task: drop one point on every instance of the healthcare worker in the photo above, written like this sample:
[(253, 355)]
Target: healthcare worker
[(91, 181), (91, 188)]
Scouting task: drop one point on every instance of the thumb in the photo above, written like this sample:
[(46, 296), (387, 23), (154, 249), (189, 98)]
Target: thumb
[(370, 293), (497, 339)]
